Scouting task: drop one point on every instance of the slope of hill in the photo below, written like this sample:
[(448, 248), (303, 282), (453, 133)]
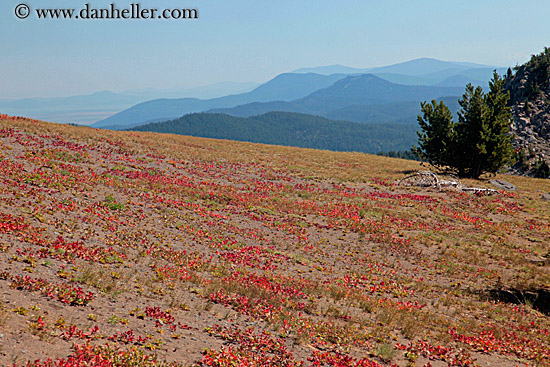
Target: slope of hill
[(292, 129), (284, 87), (140, 249)]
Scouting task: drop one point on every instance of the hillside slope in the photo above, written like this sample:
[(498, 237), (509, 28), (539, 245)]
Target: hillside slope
[(140, 249), (292, 129)]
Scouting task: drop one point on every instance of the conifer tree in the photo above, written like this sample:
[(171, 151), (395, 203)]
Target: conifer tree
[(436, 124), (498, 140), (469, 151), (479, 142)]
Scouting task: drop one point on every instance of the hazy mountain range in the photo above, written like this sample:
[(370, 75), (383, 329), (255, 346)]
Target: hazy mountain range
[(90, 108), (336, 92), (285, 87), (135, 107), (424, 71), (336, 95)]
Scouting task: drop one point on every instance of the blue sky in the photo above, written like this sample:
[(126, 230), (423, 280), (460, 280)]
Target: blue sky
[(254, 40)]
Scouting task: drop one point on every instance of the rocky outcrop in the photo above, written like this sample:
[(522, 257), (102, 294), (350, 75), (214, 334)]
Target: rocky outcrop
[(532, 129), (529, 91)]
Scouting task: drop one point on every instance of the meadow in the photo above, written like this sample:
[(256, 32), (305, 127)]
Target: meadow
[(144, 249)]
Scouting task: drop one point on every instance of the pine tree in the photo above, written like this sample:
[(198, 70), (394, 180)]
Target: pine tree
[(479, 142), (436, 125), (498, 140), (468, 149)]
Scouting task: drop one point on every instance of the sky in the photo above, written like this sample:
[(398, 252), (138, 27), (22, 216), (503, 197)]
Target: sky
[(253, 40)]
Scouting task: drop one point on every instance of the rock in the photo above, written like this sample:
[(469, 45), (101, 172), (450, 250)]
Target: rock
[(546, 196), (503, 185)]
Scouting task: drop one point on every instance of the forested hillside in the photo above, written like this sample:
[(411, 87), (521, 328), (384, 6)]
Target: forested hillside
[(292, 129)]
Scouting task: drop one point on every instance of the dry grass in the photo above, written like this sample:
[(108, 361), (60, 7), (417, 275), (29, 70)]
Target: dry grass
[(391, 267)]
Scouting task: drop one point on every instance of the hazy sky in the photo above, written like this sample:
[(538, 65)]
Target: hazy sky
[(254, 40)]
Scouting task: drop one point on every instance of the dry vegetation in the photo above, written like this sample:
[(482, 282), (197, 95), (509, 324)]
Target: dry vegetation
[(141, 249)]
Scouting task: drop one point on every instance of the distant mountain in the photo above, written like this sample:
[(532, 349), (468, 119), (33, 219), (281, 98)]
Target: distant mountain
[(108, 109), (473, 65), (292, 129), (123, 109), (424, 71), (415, 80), (364, 98), (393, 113), (460, 80), (407, 79), (482, 74), (416, 67), (369, 89), (284, 87)]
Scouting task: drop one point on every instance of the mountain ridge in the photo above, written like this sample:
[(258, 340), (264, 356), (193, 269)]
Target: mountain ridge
[(364, 89), (172, 108), (419, 66), (104, 105), (361, 106)]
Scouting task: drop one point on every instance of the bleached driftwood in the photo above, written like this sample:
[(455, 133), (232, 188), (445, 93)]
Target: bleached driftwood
[(430, 179), (478, 190), (421, 179)]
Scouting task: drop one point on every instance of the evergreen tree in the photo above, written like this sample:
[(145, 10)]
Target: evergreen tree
[(479, 142), (541, 169), (437, 134), (498, 140), (468, 150)]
